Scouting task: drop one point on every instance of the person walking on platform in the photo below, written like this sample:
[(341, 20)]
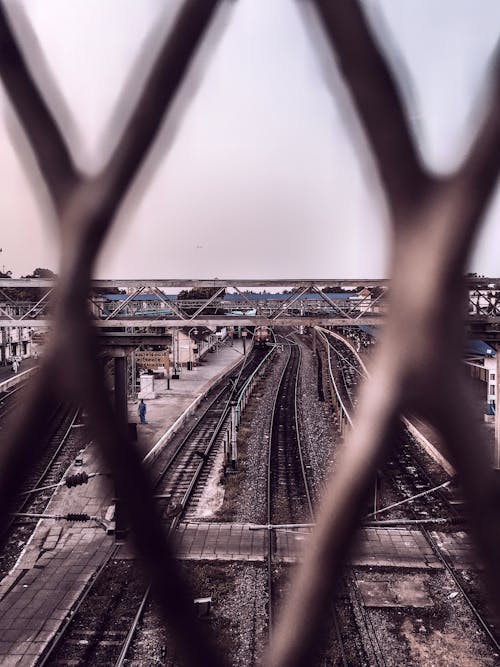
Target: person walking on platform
[(15, 366), (142, 411)]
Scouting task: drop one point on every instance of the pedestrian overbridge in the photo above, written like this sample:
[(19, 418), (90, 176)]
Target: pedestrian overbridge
[(142, 305)]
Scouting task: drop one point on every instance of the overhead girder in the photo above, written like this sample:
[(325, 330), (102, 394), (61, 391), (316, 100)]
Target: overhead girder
[(306, 304)]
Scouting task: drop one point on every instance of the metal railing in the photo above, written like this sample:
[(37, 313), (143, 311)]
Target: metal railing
[(238, 408), (145, 303), (434, 221)]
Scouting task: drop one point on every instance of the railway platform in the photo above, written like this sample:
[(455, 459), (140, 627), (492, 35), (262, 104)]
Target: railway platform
[(9, 379), (61, 557), (6, 371)]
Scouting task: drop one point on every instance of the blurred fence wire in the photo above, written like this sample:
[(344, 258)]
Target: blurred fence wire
[(417, 365)]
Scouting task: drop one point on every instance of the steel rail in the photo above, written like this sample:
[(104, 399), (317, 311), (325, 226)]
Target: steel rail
[(299, 441), (355, 596), (438, 552), (120, 661), (222, 418), (350, 578), (58, 637), (28, 495), (293, 349), (87, 590), (132, 630), (336, 623), (5, 401), (451, 570), (269, 499), (347, 385), (334, 384), (216, 432)]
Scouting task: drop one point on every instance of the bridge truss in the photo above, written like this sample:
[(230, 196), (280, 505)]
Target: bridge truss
[(153, 303)]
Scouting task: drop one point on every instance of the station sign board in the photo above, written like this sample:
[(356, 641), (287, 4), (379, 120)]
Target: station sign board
[(152, 359)]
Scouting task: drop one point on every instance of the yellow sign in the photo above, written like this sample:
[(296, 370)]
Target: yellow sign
[(152, 359)]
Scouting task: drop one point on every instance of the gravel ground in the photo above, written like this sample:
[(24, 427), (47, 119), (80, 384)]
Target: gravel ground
[(246, 490), (316, 421), (237, 619), (445, 633)]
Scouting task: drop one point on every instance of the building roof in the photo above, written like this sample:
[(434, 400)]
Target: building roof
[(479, 347), (280, 296), (235, 296), (139, 297)]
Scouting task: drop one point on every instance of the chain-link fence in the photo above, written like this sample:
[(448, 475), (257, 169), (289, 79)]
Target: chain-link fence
[(417, 364)]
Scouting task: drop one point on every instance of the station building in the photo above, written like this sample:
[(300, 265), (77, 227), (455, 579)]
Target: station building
[(15, 343)]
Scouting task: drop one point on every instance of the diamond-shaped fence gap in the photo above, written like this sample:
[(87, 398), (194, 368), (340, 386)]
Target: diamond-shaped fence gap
[(92, 108)]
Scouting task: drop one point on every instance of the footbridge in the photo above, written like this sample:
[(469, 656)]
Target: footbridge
[(141, 305)]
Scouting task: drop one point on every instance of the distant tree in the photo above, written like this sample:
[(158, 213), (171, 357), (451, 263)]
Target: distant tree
[(332, 289), (199, 294), (337, 289), (107, 290), (46, 274), (29, 293), (377, 291)]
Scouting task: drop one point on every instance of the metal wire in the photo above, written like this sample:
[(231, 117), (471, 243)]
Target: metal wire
[(416, 366)]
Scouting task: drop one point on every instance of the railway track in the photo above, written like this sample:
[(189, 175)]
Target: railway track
[(63, 442), (288, 492), (183, 475), (8, 400), (287, 488), (100, 622), (289, 495), (103, 630), (409, 479)]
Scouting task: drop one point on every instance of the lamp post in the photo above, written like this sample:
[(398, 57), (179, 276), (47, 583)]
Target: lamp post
[(175, 353), (191, 356)]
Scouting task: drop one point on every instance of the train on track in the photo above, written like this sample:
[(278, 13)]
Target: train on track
[(262, 336)]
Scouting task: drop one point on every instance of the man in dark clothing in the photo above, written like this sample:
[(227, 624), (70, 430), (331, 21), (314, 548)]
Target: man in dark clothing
[(142, 411)]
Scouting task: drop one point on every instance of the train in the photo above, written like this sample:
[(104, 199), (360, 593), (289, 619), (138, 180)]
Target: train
[(262, 336)]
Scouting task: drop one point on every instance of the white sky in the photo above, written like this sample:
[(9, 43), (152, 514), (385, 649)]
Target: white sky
[(257, 175)]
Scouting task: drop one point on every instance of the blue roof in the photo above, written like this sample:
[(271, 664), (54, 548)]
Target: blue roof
[(279, 296), (235, 296), (140, 297), (478, 347)]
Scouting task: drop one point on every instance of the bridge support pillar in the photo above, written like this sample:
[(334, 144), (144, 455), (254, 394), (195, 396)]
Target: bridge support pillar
[(120, 388), (234, 435), (121, 409), (314, 339), (496, 458)]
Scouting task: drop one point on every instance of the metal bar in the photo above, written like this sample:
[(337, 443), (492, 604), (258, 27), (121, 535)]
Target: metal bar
[(6, 296), (407, 500), (4, 312), (487, 283), (38, 303), (169, 302), (207, 303), (278, 312), (245, 298), (122, 305)]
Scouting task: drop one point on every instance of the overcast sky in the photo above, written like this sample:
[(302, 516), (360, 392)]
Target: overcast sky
[(256, 173)]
